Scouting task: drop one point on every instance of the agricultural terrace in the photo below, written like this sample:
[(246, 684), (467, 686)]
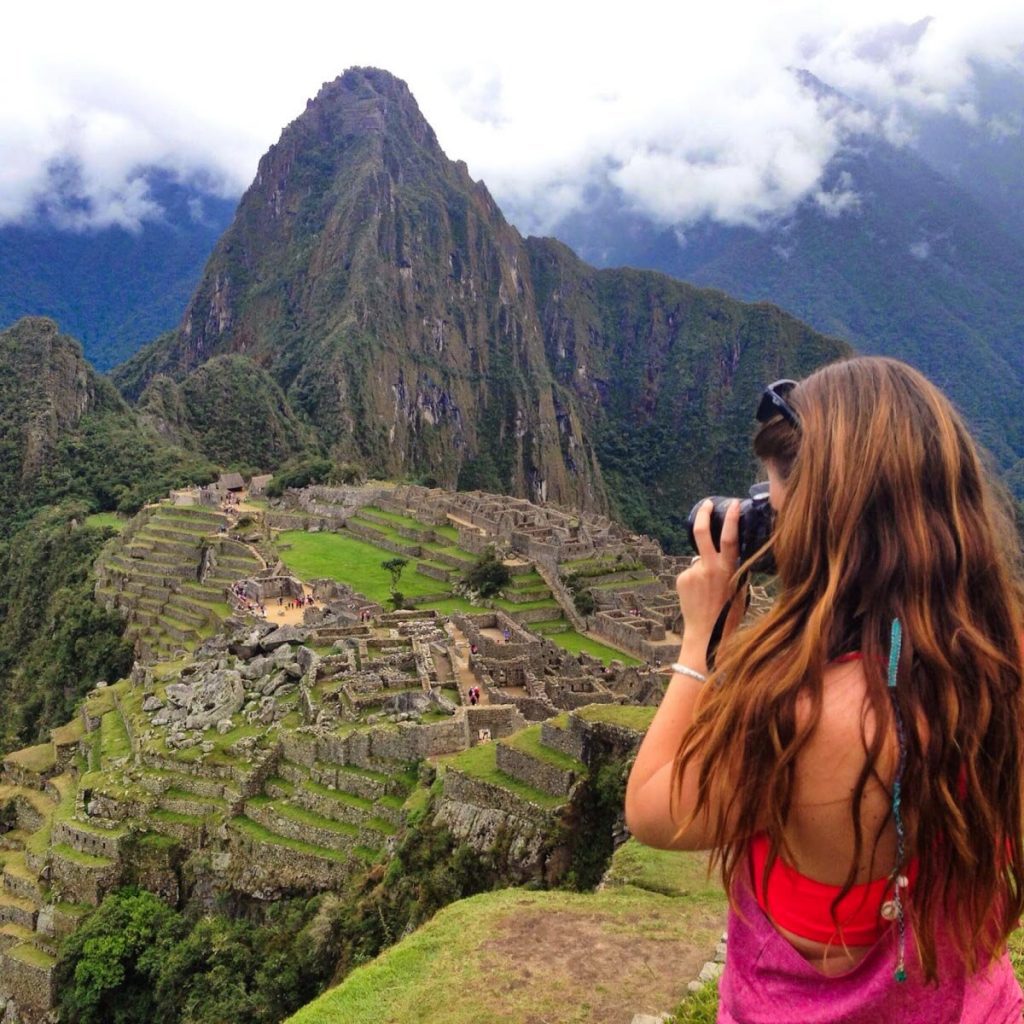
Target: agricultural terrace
[(357, 563)]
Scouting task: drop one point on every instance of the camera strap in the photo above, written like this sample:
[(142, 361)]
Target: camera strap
[(716, 633)]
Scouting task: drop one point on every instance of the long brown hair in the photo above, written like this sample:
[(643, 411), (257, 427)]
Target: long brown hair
[(888, 513)]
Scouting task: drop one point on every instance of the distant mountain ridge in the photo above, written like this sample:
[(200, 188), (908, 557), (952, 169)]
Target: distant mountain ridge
[(401, 315), (909, 265), (111, 288)]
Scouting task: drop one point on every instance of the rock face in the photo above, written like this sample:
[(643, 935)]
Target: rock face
[(205, 700), (383, 290)]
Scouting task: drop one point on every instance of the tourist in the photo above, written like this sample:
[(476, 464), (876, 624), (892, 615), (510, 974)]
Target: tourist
[(853, 758)]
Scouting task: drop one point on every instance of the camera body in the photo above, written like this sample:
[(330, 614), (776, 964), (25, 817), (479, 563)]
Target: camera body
[(757, 518)]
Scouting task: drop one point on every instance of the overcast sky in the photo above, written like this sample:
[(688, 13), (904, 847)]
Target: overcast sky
[(690, 109)]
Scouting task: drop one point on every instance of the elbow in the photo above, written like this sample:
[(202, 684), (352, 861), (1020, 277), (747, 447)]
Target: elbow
[(643, 824)]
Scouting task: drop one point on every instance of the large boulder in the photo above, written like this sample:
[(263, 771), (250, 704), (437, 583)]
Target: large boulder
[(284, 635)]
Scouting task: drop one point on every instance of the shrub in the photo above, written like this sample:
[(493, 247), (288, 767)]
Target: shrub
[(488, 576), (300, 474)]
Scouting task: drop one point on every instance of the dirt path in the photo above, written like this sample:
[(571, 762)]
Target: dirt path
[(463, 674)]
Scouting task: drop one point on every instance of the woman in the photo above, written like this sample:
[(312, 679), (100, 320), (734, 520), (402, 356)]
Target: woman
[(854, 760)]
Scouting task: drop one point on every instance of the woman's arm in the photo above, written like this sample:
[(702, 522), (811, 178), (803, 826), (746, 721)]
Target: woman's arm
[(704, 589)]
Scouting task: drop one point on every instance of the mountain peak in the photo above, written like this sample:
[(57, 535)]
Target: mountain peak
[(368, 101)]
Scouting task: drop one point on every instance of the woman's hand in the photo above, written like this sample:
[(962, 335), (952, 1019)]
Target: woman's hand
[(707, 586)]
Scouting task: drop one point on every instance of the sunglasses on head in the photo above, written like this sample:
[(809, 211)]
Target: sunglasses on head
[(773, 403)]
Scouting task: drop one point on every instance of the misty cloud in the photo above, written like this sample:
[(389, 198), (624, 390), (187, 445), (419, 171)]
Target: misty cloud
[(690, 114)]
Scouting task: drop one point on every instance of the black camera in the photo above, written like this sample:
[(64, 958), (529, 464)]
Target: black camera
[(757, 518)]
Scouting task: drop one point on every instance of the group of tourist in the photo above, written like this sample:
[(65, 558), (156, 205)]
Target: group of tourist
[(474, 695), (256, 607), (251, 605)]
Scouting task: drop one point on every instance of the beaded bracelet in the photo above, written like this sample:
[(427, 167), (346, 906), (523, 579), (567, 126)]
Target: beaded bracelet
[(682, 670)]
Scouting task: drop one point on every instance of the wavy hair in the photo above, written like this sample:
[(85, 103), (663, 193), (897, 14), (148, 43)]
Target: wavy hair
[(888, 513)]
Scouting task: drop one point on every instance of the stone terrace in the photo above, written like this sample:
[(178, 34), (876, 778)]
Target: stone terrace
[(169, 574)]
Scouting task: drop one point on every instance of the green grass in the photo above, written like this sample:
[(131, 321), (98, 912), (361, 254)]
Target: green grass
[(87, 860), (480, 762), (449, 605), (669, 872), (629, 715), (38, 759), (549, 626), (69, 733), (699, 1008), (111, 520), (175, 817), (447, 531), (30, 954), (352, 561), (627, 937), (396, 517), (525, 606), (114, 742), (528, 741), (304, 817), (357, 802), (576, 643), (256, 832)]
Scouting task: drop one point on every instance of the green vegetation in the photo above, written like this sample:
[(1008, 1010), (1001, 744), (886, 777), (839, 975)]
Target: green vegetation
[(480, 762), (576, 643), (699, 1008), (350, 560), (528, 741), (106, 520), (394, 568), (114, 741), (669, 872), (236, 414), (55, 641), (629, 715), (300, 473), (135, 960), (259, 834), (37, 759), (434, 976), (489, 576)]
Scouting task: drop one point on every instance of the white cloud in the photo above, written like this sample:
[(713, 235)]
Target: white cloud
[(690, 111), (840, 199), (920, 250)]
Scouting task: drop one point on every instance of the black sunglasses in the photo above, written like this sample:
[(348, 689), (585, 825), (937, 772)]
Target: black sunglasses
[(773, 403)]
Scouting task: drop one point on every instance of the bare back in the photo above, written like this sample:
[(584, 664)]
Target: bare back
[(820, 827)]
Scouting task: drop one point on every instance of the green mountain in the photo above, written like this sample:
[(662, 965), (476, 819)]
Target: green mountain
[(229, 408), (69, 445), (421, 336), (66, 433)]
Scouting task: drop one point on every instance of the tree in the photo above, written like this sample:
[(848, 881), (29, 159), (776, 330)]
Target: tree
[(110, 965), (395, 566), (489, 575)]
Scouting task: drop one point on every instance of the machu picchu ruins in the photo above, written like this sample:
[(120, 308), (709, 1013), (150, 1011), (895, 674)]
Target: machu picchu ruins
[(282, 716)]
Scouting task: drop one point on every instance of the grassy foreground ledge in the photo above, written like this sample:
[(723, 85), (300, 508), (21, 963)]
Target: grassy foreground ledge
[(517, 956)]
